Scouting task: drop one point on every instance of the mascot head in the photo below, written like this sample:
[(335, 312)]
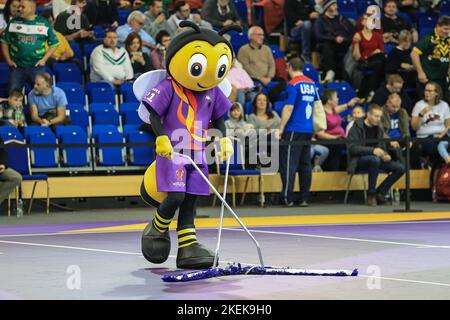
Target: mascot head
[(199, 59)]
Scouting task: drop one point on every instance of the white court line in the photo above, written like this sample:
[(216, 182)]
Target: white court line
[(68, 232), (173, 257), (417, 245)]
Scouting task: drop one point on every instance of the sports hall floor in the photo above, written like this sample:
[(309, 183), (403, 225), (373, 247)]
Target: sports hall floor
[(398, 255)]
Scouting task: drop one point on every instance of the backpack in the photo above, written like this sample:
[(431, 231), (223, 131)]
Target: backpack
[(443, 183)]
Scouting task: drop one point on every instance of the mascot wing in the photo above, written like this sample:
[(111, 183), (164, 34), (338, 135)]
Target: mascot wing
[(143, 85)]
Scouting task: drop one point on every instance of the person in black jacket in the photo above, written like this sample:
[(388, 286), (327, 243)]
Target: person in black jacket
[(372, 157), (399, 60), (140, 61), (334, 34), (220, 13), (9, 179), (102, 13), (394, 84)]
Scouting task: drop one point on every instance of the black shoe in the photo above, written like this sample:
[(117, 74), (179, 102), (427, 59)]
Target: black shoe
[(195, 256), (155, 245), (303, 204), (381, 199)]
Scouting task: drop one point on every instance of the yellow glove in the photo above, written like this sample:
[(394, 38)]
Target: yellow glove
[(226, 148), (164, 147)]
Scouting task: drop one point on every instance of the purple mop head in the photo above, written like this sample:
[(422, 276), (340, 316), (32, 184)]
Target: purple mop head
[(237, 269)]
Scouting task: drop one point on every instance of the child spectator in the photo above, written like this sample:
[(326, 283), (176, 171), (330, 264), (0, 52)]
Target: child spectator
[(11, 110), (236, 125), (399, 60), (357, 113)]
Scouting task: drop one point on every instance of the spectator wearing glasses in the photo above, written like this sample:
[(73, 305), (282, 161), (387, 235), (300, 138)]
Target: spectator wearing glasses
[(135, 22)]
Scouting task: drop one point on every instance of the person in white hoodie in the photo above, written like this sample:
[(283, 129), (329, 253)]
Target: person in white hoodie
[(109, 62)]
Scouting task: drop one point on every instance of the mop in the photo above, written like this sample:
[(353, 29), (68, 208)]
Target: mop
[(237, 268)]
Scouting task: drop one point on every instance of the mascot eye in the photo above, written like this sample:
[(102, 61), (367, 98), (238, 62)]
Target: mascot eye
[(197, 65), (222, 66)]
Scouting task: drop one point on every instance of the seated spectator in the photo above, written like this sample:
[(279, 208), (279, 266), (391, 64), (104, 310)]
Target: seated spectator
[(59, 6), (392, 24), (333, 34), (183, 12), (399, 60), (256, 58), (368, 50), (241, 82), (64, 52), (220, 13), (11, 110), (395, 123), (262, 117), (430, 119), (135, 22), (102, 13), (9, 179), (319, 155), (140, 61), (78, 32), (23, 52), (131, 4), (194, 4), (299, 15), (110, 63), (236, 124), (334, 129), (155, 19), (158, 55), (394, 84), (357, 113), (410, 7), (372, 156), (444, 151), (47, 102)]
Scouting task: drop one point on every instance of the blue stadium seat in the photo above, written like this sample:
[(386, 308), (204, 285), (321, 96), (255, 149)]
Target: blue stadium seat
[(427, 21), (69, 85), (126, 106), (76, 156), (79, 117), (78, 54), (347, 8), (276, 51), (104, 114), (238, 40), (311, 72), (72, 106), (75, 95), (140, 156), (10, 133), (102, 95), (67, 72), (4, 73), (32, 130), (60, 130), (129, 113), (128, 128), (128, 95), (43, 157), (110, 156), (361, 6), (87, 51), (102, 128), (122, 16), (99, 32), (241, 8), (4, 92), (445, 7), (101, 84)]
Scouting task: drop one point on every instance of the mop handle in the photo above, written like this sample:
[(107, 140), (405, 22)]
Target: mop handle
[(224, 202), (222, 208)]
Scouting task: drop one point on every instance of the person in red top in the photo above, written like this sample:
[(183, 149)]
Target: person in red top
[(368, 50)]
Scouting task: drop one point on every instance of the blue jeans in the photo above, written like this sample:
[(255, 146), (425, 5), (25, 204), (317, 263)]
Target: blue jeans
[(303, 32), (321, 151), (373, 165), (443, 149), (18, 76)]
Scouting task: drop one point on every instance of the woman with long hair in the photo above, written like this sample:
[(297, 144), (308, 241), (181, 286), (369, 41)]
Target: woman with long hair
[(158, 55), (140, 61), (262, 116)]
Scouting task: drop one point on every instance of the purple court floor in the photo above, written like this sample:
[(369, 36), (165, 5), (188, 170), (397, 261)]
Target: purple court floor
[(407, 260)]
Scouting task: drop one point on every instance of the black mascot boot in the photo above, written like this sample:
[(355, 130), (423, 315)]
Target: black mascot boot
[(195, 256), (155, 244)]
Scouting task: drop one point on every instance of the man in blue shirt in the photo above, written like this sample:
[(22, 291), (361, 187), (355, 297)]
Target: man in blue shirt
[(296, 126), (135, 22)]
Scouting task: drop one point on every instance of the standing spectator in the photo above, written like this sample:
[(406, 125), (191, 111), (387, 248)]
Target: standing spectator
[(263, 117), (220, 13), (392, 24), (140, 61), (394, 84), (395, 123), (299, 16), (79, 31), (256, 58), (183, 12), (110, 63), (23, 45), (399, 60), (155, 19), (333, 33), (158, 55), (335, 130), (59, 6), (102, 13), (135, 22), (47, 103), (372, 156), (357, 113), (431, 56), (430, 119), (297, 126), (11, 110), (9, 179), (368, 50)]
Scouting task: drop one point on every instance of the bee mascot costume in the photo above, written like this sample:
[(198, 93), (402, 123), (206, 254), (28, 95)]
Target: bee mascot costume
[(179, 104)]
